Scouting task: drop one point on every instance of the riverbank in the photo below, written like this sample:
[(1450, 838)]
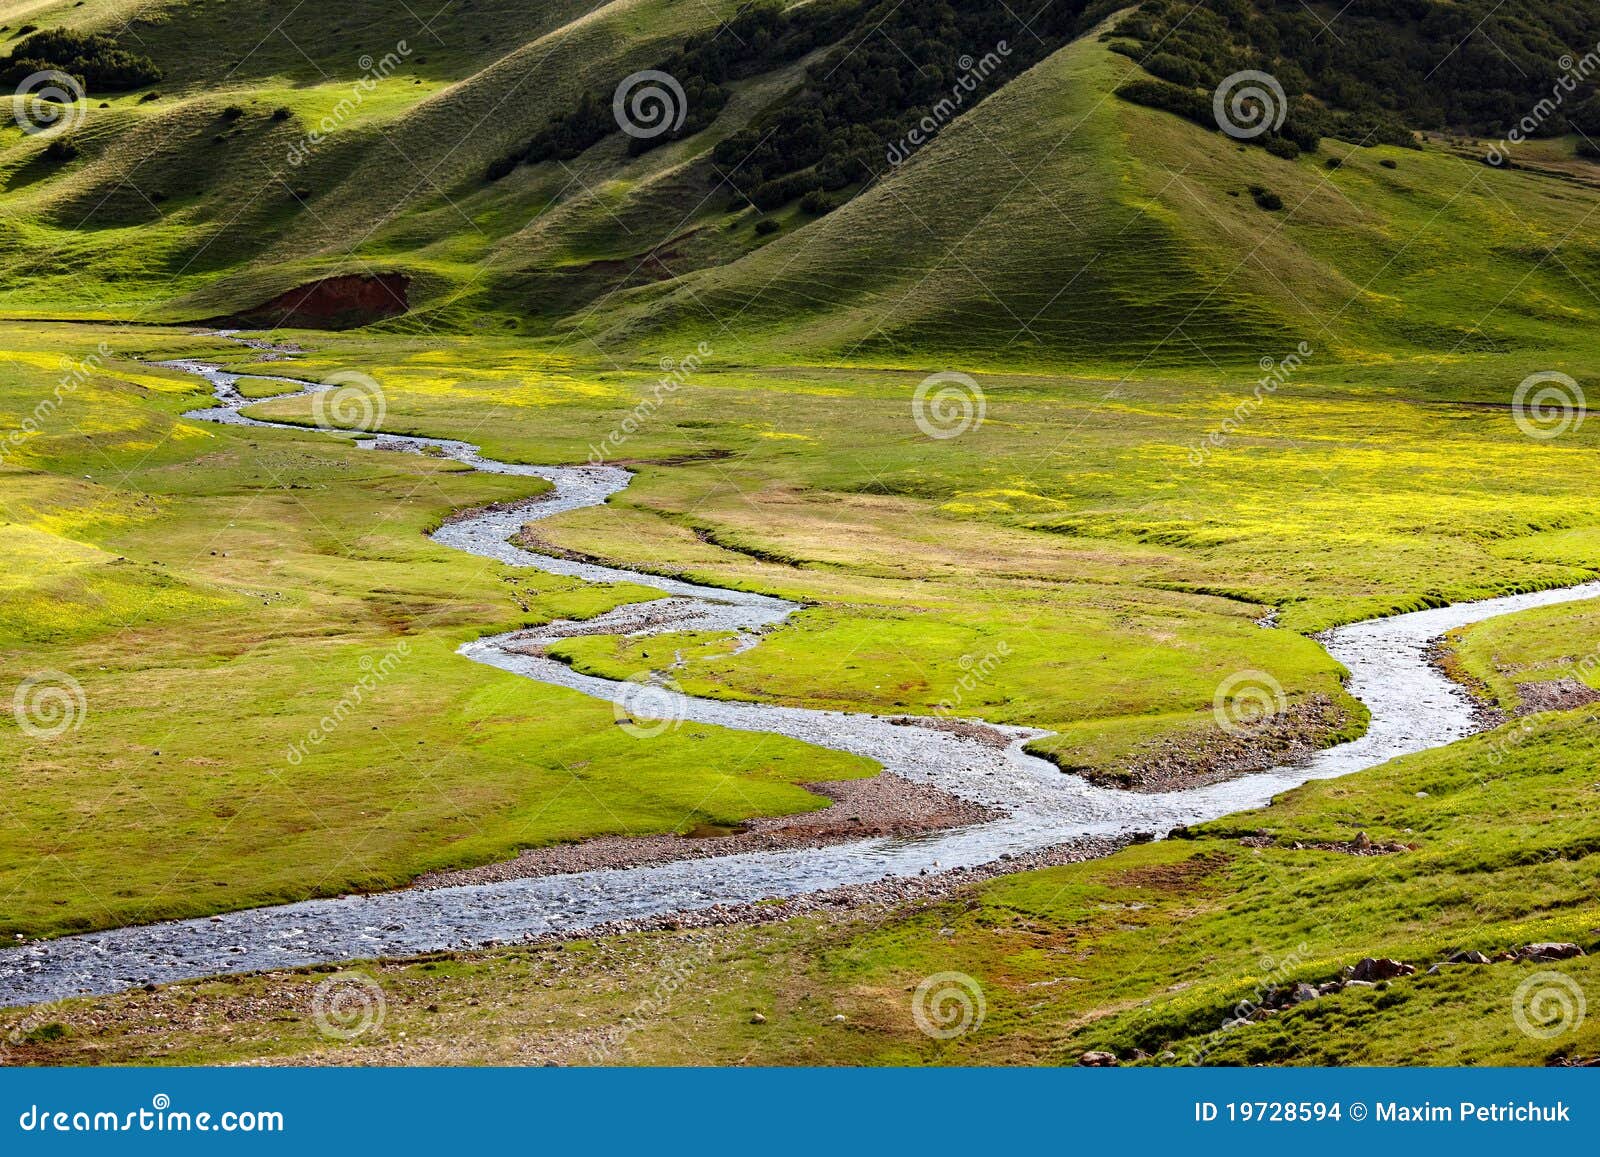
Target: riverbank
[(883, 806), (1157, 954)]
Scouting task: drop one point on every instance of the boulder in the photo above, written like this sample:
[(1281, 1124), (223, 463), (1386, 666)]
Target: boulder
[(1097, 1060), (1380, 968), (1473, 957), (1551, 950)]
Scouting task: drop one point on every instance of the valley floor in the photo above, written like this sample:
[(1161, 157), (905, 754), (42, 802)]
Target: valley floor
[(1104, 584)]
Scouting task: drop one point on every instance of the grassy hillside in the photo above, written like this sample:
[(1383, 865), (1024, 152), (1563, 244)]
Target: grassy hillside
[(1048, 224)]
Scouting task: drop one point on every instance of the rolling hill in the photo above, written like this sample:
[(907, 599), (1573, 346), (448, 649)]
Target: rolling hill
[(1043, 220)]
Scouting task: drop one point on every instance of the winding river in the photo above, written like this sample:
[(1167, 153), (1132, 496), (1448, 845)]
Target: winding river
[(1413, 708)]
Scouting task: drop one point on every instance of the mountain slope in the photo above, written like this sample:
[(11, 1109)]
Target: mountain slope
[(1047, 222)]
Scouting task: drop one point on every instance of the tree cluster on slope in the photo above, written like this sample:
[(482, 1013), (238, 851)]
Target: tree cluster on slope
[(1373, 71), (97, 62)]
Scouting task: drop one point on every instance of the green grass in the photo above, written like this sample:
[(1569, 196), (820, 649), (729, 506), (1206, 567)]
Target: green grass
[(216, 593), (1050, 227), (1152, 949), (1101, 270), (256, 568), (1532, 647)]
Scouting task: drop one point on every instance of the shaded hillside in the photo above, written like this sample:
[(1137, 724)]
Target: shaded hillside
[(1025, 217)]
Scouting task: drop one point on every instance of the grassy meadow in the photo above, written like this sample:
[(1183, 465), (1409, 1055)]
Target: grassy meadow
[(1190, 413), (1156, 949), (205, 583)]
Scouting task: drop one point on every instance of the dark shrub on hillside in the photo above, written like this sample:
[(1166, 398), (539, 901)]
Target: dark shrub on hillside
[(898, 68), (232, 113), (761, 37), (281, 113), (1174, 68), (502, 166), (95, 60), (61, 150), (570, 135), (1301, 127), (1189, 103), (767, 226), (1281, 147), (1266, 198), (820, 201)]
